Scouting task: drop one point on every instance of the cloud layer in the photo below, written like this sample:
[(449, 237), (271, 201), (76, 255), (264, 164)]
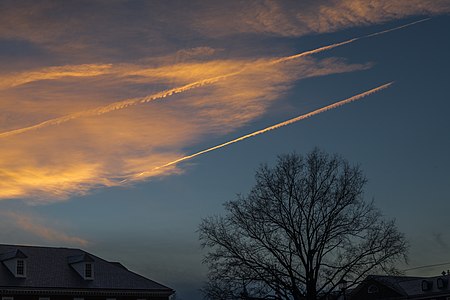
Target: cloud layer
[(111, 140), (298, 18), (127, 30), (94, 92)]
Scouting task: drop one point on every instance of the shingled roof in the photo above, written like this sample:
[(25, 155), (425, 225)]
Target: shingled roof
[(50, 268)]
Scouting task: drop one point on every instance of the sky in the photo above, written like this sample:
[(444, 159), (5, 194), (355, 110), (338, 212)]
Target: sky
[(111, 111)]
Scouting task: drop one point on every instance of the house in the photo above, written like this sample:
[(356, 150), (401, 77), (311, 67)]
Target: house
[(402, 287), (48, 273)]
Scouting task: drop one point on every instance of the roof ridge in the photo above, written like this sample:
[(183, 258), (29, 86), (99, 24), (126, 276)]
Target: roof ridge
[(39, 246)]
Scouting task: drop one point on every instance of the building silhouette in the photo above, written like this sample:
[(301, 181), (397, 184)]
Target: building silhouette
[(48, 273), (402, 287)]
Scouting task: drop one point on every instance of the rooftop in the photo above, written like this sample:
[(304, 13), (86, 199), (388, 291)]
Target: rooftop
[(51, 268)]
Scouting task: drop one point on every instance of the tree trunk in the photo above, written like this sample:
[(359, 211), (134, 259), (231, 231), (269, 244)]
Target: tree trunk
[(311, 292)]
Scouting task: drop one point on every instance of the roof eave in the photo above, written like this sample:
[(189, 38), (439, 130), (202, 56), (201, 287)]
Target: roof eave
[(85, 292)]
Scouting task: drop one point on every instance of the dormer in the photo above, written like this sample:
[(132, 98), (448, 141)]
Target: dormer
[(442, 282), (16, 262), (83, 264), (427, 285)]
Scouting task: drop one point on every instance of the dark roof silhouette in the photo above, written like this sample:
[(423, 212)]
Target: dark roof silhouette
[(393, 281), (405, 286), (50, 268)]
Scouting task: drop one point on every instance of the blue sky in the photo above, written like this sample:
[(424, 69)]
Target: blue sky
[(96, 95)]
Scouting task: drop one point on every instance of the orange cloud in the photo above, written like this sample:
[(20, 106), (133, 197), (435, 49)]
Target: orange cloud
[(195, 74), (96, 149), (191, 75), (50, 73), (98, 124)]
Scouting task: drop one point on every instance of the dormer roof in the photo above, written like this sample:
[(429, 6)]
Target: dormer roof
[(12, 254), (118, 264), (80, 258)]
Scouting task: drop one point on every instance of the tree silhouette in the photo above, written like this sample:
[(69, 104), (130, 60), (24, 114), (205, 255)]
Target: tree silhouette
[(302, 229)]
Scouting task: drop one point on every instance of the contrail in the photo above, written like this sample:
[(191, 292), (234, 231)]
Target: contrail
[(116, 105), (396, 28), (329, 47), (135, 101), (276, 126)]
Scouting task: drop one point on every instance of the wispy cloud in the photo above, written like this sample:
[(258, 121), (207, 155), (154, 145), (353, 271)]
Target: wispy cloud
[(52, 73), (85, 116), (91, 30), (35, 228), (63, 160), (299, 18), (215, 71)]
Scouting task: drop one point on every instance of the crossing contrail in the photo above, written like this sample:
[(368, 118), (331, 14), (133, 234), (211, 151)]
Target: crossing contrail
[(160, 95), (276, 126)]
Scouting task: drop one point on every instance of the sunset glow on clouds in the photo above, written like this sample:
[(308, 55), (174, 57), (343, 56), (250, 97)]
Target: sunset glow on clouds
[(59, 158), (219, 96), (65, 157), (110, 111)]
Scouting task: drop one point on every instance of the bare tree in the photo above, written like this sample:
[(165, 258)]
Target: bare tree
[(302, 229)]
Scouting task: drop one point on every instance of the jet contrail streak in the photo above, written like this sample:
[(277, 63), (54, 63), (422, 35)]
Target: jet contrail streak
[(116, 105), (276, 126), (396, 28), (314, 51), (135, 101), (329, 47)]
